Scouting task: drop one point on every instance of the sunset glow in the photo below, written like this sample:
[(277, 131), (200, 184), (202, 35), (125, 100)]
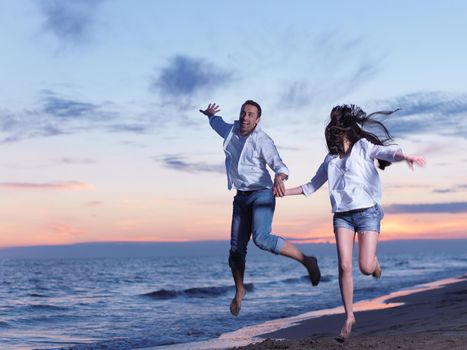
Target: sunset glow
[(101, 138)]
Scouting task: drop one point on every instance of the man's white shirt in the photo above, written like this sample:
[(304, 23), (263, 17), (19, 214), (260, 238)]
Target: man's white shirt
[(247, 157)]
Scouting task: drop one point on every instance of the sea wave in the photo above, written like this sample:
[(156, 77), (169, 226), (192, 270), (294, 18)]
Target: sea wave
[(196, 292), (37, 295), (46, 307), (306, 278)]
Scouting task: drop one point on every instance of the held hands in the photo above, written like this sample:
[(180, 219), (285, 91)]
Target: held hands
[(411, 160), (279, 187), (211, 110)]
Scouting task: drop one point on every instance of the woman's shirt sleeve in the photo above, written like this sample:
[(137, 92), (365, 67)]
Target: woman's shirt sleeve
[(319, 179), (382, 152)]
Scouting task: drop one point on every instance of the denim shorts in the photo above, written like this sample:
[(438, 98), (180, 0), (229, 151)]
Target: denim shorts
[(359, 220)]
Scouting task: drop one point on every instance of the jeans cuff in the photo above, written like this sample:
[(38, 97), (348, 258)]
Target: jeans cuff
[(279, 245)]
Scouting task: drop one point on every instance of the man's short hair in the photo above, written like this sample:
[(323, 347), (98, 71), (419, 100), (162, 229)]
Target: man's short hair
[(253, 103)]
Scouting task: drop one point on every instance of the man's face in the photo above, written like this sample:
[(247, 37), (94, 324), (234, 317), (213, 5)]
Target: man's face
[(248, 119)]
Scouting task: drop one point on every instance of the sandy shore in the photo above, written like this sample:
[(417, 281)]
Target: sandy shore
[(431, 319)]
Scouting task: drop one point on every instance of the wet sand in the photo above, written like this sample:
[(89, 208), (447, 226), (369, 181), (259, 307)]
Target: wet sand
[(430, 319)]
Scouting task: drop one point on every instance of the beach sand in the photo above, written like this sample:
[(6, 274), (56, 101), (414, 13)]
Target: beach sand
[(431, 319)]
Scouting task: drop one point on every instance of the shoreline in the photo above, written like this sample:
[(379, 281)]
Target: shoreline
[(392, 315)]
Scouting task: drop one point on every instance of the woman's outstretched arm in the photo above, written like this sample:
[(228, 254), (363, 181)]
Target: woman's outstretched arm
[(293, 191), (410, 160)]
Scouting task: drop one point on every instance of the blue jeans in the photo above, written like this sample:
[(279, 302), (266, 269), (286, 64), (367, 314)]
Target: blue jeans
[(252, 215)]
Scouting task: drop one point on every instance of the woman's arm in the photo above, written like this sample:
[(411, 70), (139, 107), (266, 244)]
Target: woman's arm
[(293, 191), (410, 160), (315, 183)]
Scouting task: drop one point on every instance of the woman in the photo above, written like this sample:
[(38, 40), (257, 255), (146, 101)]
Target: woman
[(355, 191)]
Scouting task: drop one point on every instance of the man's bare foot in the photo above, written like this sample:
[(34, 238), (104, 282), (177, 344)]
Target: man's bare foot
[(236, 302), (347, 328), (378, 270), (311, 264)]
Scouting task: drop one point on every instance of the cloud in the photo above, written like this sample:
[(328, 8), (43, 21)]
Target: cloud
[(75, 161), (177, 162), (453, 189), (346, 60), (428, 112), (297, 94), (141, 128), (60, 186), (70, 21), (63, 231), (93, 204), (452, 207), (66, 109), (185, 76), (63, 108), (58, 115)]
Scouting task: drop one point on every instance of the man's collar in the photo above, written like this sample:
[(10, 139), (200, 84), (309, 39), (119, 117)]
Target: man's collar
[(236, 128)]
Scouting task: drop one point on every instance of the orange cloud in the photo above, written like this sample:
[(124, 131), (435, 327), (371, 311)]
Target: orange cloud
[(424, 226), (62, 186)]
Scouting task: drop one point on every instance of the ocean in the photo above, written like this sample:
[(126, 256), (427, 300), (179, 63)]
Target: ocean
[(130, 302)]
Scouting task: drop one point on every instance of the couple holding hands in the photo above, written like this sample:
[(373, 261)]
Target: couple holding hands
[(354, 190)]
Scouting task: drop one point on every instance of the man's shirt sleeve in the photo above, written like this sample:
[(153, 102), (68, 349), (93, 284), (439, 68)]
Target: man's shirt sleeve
[(272, 158), (220, 126)]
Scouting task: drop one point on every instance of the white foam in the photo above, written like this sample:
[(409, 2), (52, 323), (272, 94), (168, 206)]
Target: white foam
[(251, 334)]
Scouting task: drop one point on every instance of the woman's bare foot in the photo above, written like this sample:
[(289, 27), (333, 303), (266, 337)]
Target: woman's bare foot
[(236, 302), (378, 270), (347, 327)]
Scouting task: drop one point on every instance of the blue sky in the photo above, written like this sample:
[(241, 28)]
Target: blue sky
[(101, 136)]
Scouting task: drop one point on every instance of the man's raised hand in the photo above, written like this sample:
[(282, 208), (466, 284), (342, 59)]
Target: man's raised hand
[(211, 110)]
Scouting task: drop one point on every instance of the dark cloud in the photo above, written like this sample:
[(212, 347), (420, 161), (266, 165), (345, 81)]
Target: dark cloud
[(453, 207), (429, 112), (26, 125), (177, 162), (58, 115), (297, 95), (63, 108), (453, 189), (69, 21), (130, 128), (185, 76)]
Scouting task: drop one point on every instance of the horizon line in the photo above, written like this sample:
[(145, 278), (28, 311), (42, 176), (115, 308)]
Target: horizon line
[(298, 242)]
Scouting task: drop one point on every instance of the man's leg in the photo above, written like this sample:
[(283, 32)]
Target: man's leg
[(263, 211), (240, 235)]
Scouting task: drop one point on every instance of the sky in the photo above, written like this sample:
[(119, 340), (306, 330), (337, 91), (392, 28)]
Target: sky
[(101, 139)]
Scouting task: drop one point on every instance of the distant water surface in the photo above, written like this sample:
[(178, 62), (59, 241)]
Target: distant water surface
[(126, 303)]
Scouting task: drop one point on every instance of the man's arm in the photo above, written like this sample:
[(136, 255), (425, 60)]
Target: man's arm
[(274, 161), (216, 122)]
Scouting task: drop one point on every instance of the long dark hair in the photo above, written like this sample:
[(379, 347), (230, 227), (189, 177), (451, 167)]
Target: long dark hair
[(350, 121)]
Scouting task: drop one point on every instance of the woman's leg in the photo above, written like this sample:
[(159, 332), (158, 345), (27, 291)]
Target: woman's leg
[(345, 239), (367, 259)]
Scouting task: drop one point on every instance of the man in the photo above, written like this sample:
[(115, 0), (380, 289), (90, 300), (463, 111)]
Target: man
[(248, 150)]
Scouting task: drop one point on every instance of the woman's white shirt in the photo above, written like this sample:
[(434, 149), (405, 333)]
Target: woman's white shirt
[(353, 180)]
